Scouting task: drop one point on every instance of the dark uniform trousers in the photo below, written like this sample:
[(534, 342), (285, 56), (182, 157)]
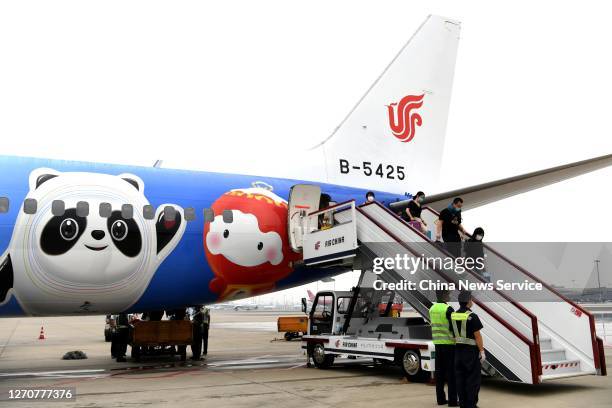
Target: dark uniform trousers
[(445, 373), (467, 375), (121, 337)]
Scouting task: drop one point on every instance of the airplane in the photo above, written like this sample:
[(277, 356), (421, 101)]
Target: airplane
[(88, 238)]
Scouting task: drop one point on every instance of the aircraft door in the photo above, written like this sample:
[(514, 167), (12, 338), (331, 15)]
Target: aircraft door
[(303, 199), (322, 314)]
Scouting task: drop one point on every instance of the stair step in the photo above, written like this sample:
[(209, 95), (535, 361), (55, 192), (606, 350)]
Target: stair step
[(545, 343), (556, 354), (566, 375), (560, 367)]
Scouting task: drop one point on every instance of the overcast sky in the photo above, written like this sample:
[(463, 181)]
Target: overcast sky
[(132, 82)]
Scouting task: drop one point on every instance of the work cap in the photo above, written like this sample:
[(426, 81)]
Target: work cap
[(465, 296), (441, 292)]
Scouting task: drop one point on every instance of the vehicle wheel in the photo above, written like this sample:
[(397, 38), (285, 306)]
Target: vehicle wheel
[(136, 353), (320, 358), (289, 336), (410, 363)]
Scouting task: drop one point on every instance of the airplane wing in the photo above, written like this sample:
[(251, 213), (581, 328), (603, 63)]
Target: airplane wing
[(481, 194)]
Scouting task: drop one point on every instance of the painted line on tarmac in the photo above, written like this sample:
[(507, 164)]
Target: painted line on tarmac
[(56, 374), (103, 373)]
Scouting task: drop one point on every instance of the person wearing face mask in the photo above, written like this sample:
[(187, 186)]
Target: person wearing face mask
[(370, 197), (412, 213), (475, 249), (449, 226)]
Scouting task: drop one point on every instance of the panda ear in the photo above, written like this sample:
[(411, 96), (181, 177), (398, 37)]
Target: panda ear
[(135, 181), (40, 176)]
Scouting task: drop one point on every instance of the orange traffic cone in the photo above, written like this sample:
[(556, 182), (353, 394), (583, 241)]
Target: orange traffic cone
[(42, 333)]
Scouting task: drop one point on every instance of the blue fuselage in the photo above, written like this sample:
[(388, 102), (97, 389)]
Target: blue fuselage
[(183, 277)]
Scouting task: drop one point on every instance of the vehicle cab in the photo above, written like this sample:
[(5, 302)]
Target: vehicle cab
[(328, 312)]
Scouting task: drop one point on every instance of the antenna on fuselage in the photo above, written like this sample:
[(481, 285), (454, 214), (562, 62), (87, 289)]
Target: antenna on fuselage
[(158, 164)]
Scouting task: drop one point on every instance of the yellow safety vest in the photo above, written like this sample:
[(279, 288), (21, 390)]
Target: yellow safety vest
[(460, 334), (440, 331)]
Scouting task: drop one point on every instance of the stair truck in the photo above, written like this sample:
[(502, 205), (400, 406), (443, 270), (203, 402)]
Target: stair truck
[(526, 342)]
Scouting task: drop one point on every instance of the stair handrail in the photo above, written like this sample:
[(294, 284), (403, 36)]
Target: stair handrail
[(596, 355), (534, 349)]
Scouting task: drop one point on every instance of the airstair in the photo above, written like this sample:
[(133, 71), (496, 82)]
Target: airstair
[(525, 341)]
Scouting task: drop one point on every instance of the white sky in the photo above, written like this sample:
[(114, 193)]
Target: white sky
[(210, 85)]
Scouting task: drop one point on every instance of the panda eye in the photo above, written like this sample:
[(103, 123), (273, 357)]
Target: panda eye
[(225, 234), (119, 230), (69, 229), (260, 246)]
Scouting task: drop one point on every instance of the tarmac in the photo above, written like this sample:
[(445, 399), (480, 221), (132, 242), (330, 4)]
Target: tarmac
[(248, 365)]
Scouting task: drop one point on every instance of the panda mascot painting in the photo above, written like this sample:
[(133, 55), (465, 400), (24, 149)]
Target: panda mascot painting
[(88, 246)]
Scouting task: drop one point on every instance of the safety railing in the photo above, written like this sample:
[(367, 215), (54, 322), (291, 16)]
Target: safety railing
[(547, 310), (326, 240)]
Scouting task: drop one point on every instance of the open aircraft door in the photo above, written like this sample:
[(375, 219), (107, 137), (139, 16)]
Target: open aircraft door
[(303, 199)]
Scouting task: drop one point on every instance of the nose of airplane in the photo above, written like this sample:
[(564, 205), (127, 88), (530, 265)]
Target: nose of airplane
[(97, 234)]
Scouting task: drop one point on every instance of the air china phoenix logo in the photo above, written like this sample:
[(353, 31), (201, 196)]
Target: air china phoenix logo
[(403, 119)]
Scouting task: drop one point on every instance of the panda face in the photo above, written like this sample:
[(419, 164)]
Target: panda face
[(92, 249), (99, 262), (61, 233)]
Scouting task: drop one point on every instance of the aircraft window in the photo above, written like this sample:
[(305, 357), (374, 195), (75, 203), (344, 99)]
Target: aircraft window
[(127, 211), (58, 208), (190, 214), (30, 206), (209, 215), (228, 216), (4, 205), (169, 213), (148, 212), (105, 210), (82, 209)]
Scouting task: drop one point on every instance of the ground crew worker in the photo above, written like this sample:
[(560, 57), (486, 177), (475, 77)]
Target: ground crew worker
[(201, 323), (469, 351), (440, 317), (120, 338)]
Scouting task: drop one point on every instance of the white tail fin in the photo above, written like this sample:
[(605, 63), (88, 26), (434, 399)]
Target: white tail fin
[(393, 139)]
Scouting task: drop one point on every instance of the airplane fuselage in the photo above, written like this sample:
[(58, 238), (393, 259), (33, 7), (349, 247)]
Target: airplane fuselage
[(96, 238)]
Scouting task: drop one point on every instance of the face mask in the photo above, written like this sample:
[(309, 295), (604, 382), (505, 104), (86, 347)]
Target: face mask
[(421, 199), (479, 237), (370, 199)]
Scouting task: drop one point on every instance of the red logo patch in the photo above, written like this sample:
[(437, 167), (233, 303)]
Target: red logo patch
[(403, 120)]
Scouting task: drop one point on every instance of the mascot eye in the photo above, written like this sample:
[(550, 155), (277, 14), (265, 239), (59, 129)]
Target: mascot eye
[(69, 229), (225, 234), (260, 246), (119, 230)]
